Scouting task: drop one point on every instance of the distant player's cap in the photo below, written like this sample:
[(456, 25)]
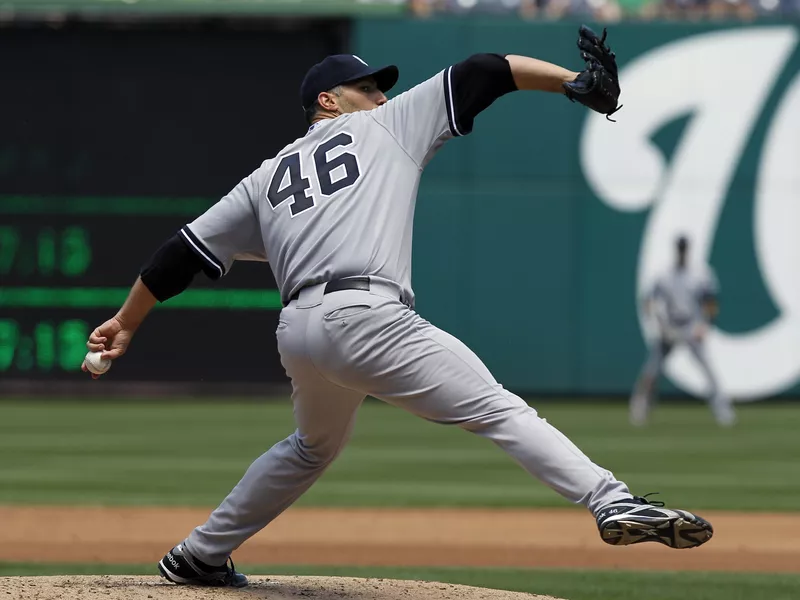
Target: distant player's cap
[(342, 68), (682, 242)]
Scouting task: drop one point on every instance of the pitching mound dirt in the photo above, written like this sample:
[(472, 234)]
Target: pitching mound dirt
[(268, 588)]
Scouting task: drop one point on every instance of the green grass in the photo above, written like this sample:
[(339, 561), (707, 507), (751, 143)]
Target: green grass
[(168, 453), (569, 584)]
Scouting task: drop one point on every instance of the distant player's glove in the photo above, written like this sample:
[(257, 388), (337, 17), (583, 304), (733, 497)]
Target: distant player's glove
[(597, 86)]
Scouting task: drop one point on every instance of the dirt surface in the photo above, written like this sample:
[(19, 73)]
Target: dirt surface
[(272, 588), (404, 537)]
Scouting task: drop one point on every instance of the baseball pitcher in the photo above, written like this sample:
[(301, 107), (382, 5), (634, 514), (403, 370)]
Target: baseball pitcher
[(682, 303), (332, 213)]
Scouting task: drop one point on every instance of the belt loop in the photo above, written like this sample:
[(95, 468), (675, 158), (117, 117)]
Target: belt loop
[(311, 296), (385, 289)]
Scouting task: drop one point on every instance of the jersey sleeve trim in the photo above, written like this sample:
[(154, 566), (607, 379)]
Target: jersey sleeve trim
[(202, 251), (449, 103)]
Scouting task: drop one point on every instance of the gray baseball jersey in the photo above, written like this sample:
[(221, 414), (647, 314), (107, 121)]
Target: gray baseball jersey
[(338, 202), (679, 294)]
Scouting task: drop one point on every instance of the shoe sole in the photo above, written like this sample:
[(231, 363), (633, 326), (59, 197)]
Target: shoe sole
[(172, 578), (680, 532)]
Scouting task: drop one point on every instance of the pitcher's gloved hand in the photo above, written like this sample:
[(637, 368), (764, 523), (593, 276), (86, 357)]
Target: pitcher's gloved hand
[(597, 86)]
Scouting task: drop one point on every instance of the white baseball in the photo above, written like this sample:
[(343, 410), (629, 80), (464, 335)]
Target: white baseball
[(96, 364)]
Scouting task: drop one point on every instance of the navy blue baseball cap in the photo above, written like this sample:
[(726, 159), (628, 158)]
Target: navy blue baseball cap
[(342, 68)]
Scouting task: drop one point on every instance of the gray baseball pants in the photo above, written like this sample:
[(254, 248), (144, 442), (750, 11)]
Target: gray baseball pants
[(646, 388), (340, 347)]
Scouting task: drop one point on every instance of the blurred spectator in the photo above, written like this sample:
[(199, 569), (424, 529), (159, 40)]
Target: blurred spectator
[(530, 9), (612, 10)]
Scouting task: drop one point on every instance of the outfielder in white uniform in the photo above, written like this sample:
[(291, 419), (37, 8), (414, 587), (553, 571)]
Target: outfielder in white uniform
[(683, 303), (332, 213)]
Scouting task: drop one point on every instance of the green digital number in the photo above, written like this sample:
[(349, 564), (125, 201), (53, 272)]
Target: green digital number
[(9, 338), (76, 253), (45, 252), (72, 336), (49, 346), (9, 244)]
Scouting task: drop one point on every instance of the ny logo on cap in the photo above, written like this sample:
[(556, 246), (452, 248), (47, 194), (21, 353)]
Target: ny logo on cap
[(359, 60)]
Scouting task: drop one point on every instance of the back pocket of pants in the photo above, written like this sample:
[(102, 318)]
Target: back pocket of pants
[(346, 312)]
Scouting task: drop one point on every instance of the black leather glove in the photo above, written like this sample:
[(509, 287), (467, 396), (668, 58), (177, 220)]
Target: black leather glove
[(597, 86)]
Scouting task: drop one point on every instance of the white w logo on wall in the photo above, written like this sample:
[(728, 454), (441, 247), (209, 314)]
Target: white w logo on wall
[(723, 79)]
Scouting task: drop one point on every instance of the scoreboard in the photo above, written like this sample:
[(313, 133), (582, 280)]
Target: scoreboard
[(66, 265), (115, 135)]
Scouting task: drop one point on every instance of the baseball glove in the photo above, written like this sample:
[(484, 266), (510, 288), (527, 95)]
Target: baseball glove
[(597, 86)]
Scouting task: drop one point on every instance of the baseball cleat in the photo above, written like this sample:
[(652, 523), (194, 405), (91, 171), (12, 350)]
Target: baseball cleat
[(180, 567), (638, 520)]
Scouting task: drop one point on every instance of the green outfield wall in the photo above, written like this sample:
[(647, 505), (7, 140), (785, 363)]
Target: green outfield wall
[(536, 234)]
